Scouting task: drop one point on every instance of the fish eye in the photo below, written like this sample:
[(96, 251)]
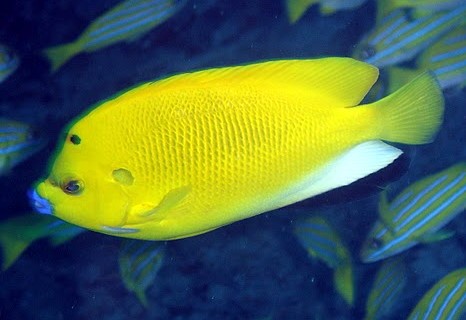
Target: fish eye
[(75, 139), (376, 243), (72, 187)]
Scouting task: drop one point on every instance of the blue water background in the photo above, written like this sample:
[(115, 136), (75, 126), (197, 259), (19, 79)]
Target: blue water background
[(248, 270)]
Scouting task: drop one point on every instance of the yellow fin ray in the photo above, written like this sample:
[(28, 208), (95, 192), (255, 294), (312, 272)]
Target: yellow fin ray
[(413, 114), (146, 211), (343, 81)]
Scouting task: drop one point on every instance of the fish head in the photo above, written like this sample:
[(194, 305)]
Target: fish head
[(82, 188), (18, 141), (382, 242)]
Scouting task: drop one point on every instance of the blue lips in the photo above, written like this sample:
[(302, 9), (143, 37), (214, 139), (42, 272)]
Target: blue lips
[(40, 204)]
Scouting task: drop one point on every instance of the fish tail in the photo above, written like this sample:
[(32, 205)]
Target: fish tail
[(344, 282), (59, 55), (413, 114), (11, 247)]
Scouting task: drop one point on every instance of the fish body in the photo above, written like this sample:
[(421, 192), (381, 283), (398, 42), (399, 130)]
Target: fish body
[(9, 62), (417, 213), (193, 152), (17, 234), (323, 242), (18, 141), (125, 22), (139, 263), (445, 300), (397, 38), (446, 59), (389, 282)]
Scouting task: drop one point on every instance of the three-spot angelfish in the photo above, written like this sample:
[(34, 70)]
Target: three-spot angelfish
[(193, 152), (417, 214), (18, 141), (445, 300), (322, 241), (125, 22), (139, 263)]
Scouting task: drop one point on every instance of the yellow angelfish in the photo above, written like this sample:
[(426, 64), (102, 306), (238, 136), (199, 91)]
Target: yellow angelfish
[(193, 152)]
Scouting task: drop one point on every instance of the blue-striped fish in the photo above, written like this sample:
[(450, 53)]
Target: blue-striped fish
[(9, 62), (17, 234), (322, 241), (421, 7), (446, 59), (388, 284), (125, 22), (139, 263), (18, 141), (417, 214), (446, 300), (397, 39), (297, 8)]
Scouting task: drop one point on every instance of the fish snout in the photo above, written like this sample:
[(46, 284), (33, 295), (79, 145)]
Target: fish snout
[(41, 205)]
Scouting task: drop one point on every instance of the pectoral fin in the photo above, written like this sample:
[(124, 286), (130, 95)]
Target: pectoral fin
[(148, 211), (437, 236)]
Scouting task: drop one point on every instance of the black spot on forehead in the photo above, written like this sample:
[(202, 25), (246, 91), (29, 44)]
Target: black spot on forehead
[(74, 139)]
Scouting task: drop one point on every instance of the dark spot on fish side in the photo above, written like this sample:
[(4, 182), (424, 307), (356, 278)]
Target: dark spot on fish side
[(123, 176), (75, 139)]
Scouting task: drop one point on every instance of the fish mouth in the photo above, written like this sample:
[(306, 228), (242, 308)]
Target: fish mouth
[(41, 205), (119, 230)]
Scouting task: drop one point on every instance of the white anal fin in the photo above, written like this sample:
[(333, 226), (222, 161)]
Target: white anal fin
[(356, 163)]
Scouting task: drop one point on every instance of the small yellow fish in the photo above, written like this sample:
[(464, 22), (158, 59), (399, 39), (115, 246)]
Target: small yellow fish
[(187, 154)]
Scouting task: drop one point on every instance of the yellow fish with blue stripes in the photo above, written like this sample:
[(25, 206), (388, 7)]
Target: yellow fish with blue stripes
[(397, 38), (139, 262), (389, 283), (446, 59), (125, 22), (323, 242), (417, 214), (18, 233), (445, 300), (193, 152), (18, 141)]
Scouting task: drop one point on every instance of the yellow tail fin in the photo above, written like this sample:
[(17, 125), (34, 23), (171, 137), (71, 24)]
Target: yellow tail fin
[(413, 114), (59, 55)]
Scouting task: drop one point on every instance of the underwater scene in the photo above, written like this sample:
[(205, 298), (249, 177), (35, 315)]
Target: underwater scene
[(183, 159)]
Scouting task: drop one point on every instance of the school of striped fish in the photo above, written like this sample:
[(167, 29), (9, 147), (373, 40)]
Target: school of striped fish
[(408, 39)]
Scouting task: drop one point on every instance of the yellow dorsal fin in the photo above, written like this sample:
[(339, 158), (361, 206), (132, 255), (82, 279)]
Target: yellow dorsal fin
[(344, 81)]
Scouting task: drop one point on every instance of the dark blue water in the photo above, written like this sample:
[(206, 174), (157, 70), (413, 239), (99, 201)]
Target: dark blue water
[(249, 270)]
